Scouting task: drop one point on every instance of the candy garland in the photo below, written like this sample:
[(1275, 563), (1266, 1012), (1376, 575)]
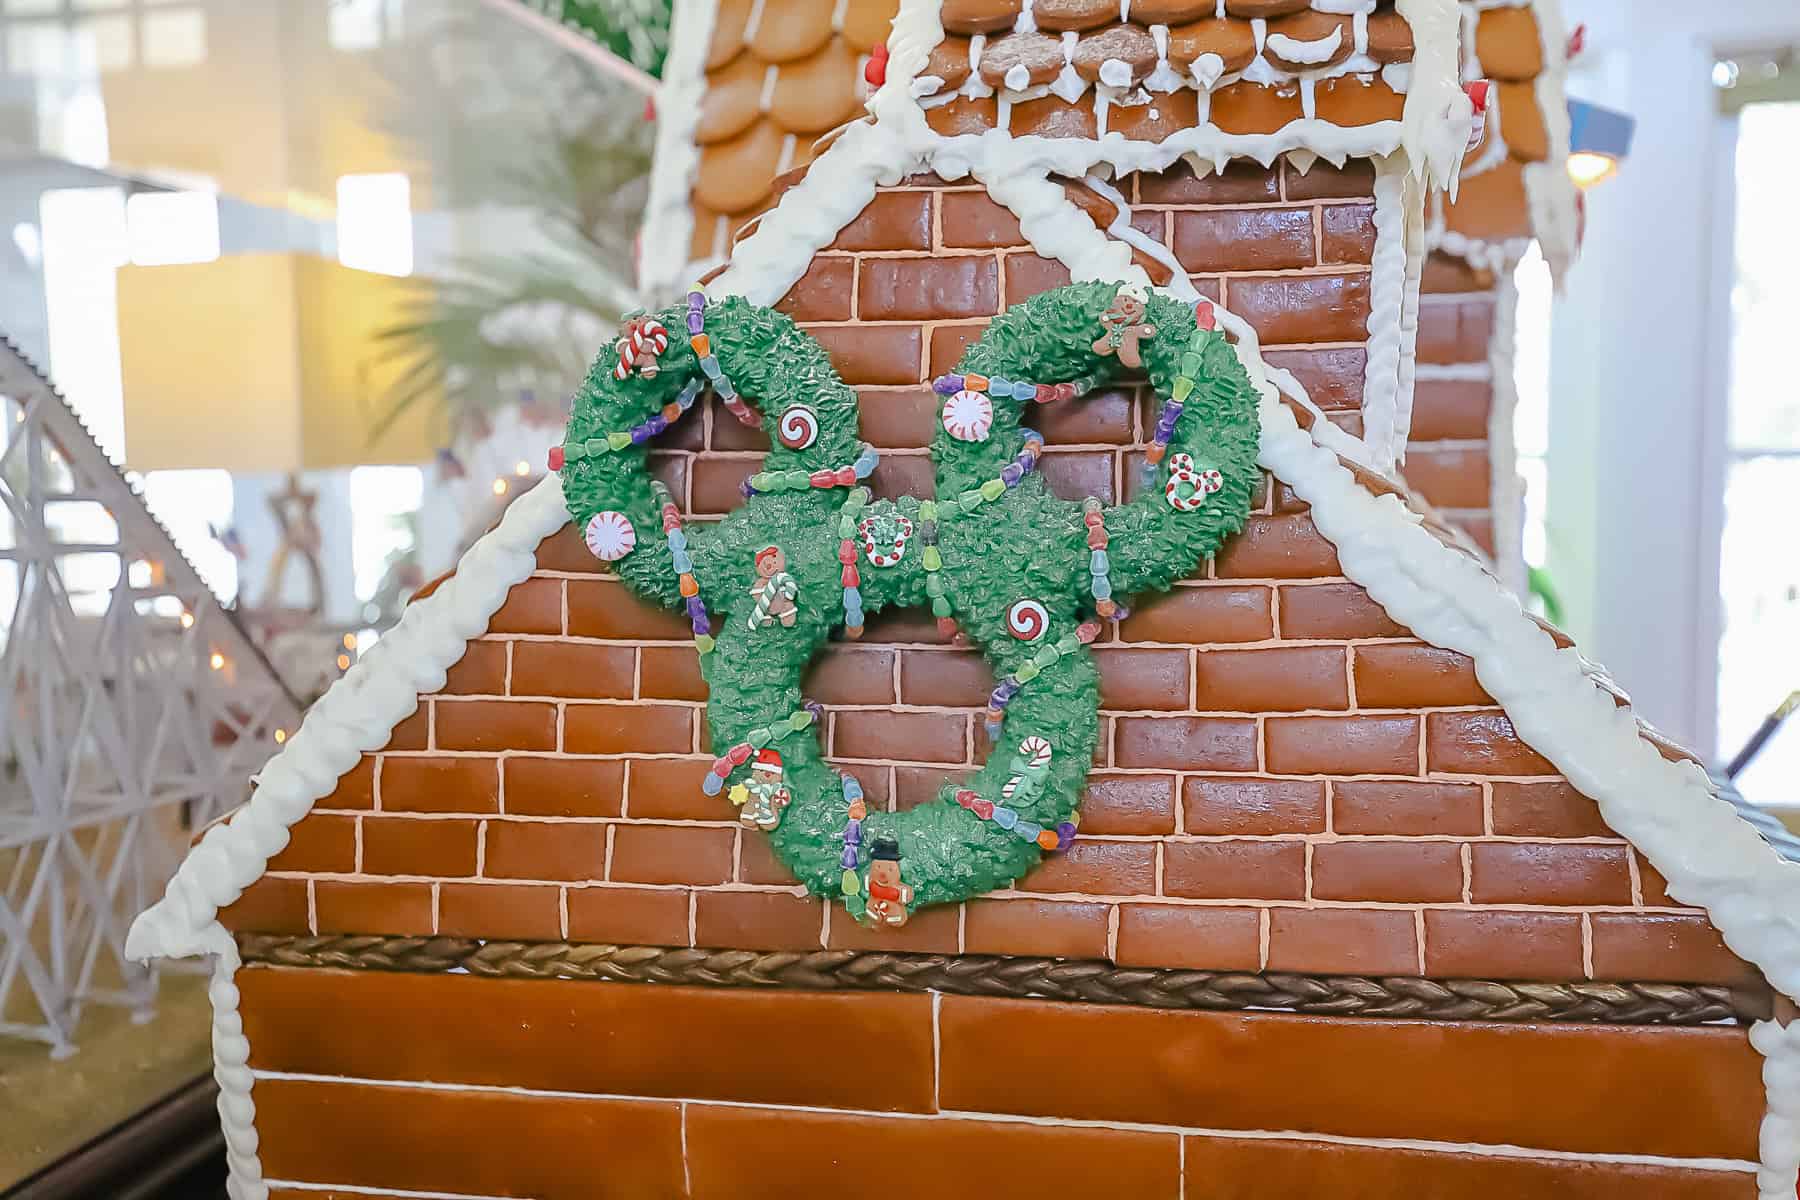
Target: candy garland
[(1185, 377), (701, 345), (637, 435), (996, 544), (850, 578), (759, 738), (1028, 767), (684, 567), (1030, 669), (826, 477)]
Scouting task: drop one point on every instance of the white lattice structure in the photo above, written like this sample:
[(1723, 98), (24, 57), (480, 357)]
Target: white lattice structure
[(133, 710)]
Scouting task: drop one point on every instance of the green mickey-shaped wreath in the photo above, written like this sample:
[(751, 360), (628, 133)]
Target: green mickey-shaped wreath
[(1024, 574)]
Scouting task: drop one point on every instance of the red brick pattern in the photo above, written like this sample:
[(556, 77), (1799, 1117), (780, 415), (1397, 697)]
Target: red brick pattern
[(567, 1090), (1448, 459), (1285, 779)]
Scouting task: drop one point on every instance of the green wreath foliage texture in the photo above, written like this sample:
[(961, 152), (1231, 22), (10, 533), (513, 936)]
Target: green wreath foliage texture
[(1026, 544)]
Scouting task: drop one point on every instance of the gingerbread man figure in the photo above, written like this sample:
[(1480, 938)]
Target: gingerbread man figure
[(774, 590), (640, 345), (1125, 326), (889, 896)]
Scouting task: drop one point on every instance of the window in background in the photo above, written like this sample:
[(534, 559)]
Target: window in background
[(1759, 558), (191, 504), (384, 514), (374, 223)]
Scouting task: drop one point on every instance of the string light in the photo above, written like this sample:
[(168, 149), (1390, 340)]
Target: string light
[(280, 736), (218, 661), (187, 620), (499, 487), (343, 662), (1586, 169), (349, 641), (522, 469)]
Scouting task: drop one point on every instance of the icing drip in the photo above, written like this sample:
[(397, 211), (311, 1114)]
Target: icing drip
[(1313, 53), (1115, 73), (1207, 70)]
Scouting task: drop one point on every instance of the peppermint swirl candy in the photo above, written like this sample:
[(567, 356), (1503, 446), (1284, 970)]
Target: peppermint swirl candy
[(609, 536), (798, 427), (1027, 620)]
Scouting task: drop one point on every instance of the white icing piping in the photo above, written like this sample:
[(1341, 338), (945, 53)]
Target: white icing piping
[(1780, 1140), (356, 716), (1437, 114), (1548, 188), (1310, 53), (1506, 489), (1387, 413), (668, 228)]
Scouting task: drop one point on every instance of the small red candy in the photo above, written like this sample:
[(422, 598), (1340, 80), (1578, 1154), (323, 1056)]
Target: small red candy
[(846, 552), (739, 754), (851, 577), (965, 797), (1203, 315), (875, 70), (556, 458), (947, 626), (1044, 393), (1087, 631), (820, 478), (1092, 519), (983, 809), (845, 476), (1097, 540)]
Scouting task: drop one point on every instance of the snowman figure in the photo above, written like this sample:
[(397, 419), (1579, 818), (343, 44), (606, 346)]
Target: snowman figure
[(766, 794), (888, 894)]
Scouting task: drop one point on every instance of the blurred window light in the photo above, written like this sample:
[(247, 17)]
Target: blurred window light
[(84, 241), (384, 503), (37, 48), (1725, 73), (30, 244), (1759, 557), (105, 42), (1531, 409), (191, 504), (174, 37), (374, 223), (167, 228), (354, 24), (24, 8)]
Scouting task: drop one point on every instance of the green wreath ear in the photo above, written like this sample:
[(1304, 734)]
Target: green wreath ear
[(994, 553)]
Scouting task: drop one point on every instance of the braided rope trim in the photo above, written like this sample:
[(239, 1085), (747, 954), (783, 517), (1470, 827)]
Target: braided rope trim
[(1038, 978)]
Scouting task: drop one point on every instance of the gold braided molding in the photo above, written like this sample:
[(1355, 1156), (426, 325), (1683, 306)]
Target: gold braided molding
[(1037, 978)]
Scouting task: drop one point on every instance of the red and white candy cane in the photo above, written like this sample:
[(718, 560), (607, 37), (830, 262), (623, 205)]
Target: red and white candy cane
[(642, 334)]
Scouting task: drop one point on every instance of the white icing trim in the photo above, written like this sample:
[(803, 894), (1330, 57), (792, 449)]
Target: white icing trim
[(1506, 491), (1386, 412), (1309, 53), (1780, 1140), (1548, 188), (668, 228)]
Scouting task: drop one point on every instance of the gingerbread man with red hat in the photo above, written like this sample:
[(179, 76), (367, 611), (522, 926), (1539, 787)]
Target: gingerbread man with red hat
[(766, 793)]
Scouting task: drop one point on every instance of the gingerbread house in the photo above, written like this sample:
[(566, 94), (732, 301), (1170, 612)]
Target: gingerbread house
[(1378, 887), (1515, 191)]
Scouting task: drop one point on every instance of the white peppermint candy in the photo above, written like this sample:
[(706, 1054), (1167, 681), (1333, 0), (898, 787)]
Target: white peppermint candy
[(968, 416), (1027, 620), (610, 536)]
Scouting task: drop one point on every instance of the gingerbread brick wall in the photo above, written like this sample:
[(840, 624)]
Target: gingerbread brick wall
[(1286, 779), (569, 1090), (1448, 459)]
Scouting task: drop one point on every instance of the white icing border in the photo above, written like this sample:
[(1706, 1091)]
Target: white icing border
[(1549, 192), (1710, 857), (1779, 1144), (668, 227), (1506, 491), (1386, 407)]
